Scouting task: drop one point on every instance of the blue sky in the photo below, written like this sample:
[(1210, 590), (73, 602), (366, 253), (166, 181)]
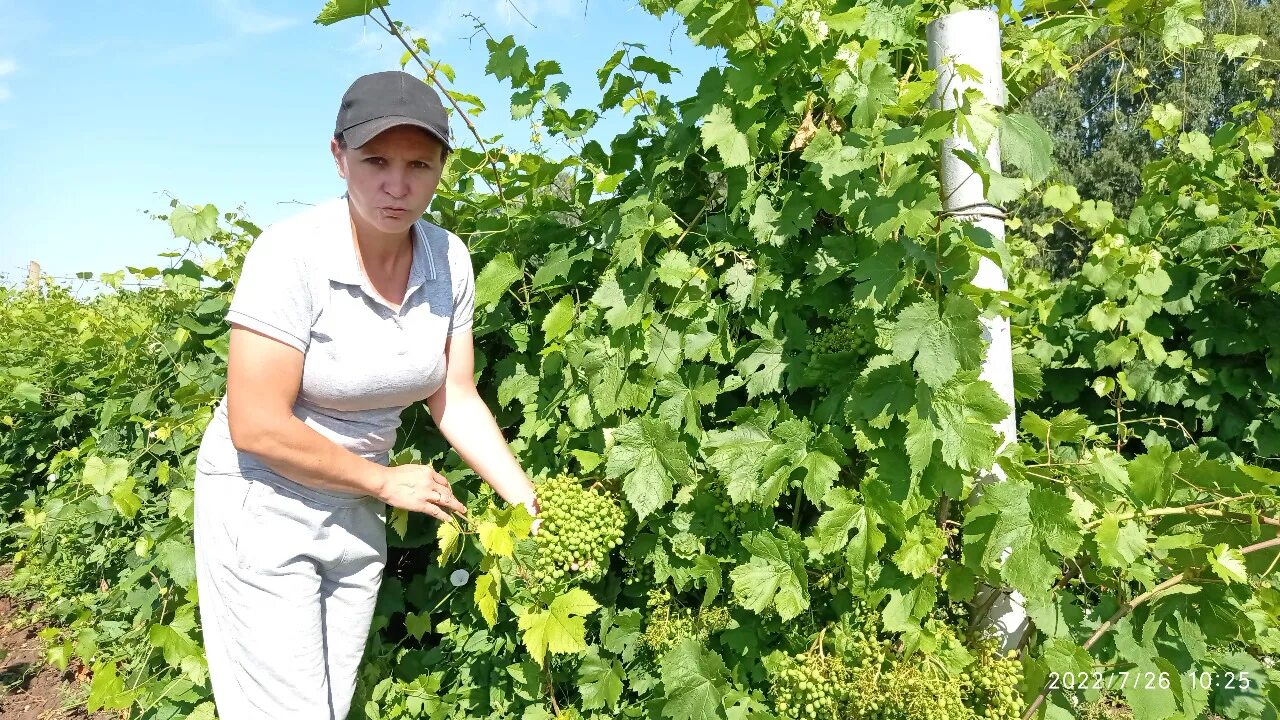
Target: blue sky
[(108, 109)]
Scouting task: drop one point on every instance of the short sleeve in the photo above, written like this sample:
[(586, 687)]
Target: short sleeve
[(464, 284), (273, 296)]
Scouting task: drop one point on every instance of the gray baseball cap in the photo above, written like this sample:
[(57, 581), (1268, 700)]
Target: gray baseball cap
[(382, 100)]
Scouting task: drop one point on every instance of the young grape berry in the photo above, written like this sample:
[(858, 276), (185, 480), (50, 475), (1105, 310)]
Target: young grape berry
[(580, 526)]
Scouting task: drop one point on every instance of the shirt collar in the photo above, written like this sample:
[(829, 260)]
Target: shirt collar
[(344, 266)]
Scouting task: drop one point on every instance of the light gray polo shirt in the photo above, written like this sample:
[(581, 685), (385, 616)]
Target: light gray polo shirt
[(364, 361)]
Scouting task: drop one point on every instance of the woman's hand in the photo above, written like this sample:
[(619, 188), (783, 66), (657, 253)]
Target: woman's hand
[(420, 489), (534, 508)]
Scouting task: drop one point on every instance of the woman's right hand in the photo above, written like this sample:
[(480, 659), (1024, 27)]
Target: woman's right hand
[(421, 489)]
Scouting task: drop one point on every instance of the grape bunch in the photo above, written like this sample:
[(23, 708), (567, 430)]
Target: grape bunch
[(849, 330), (921, 691), (727, 510), (991, 685), (579, 528), (667, 625), (812, 686), (851, 672), (859, 643)]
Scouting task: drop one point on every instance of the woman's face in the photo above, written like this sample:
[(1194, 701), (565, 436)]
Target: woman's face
[(391, 178)]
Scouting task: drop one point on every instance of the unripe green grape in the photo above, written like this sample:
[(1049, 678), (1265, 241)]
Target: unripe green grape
[(994, 680), (848, 330), (580, 527), (812, 686)]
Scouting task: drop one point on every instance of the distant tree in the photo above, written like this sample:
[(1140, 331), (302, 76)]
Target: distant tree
[(1096, 118)]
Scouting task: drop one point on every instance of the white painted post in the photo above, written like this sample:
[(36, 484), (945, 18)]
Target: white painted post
[(33, 276), (972, 38)]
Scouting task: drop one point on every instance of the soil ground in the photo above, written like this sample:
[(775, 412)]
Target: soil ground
[(30, 688)]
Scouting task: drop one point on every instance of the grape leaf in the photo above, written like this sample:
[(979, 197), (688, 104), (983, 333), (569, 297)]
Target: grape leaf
[(1196, 144), (834, 526), (763, 365), (1151, 475), (738, 455), (125, 500), (561, 627), (1034, 526), (1148, 700), (399, 521), (336, 10), (775, 575), (1061, 197), (498, 275), (909, 603), (559, 319), (1234, 46), (1067, 426), (623, 306), (29, 394), (1228, 563), (179, 560), (496, 539), (961, 415), (1178, 33), (662, 71), (1120, 544), (674, 269), (651, 460), (107, 691), (620, 632), (1097, 214), (921, 549), (173, 643), (418, 624), (448, 537), (600, 681), (719, 131), (834, 159), (695, 681), (198, 226), (508, 61), (942, 345), (105, 476), (1025, 143)]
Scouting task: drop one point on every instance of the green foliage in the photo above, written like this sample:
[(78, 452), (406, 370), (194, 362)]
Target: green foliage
[(96, 469), (648, 308), (1098, 115), (337, 10)]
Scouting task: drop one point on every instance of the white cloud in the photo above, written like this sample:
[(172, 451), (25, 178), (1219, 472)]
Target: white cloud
[(246, 19), (20, 28)]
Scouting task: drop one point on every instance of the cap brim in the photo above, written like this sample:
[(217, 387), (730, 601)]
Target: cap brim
[(358, 135)]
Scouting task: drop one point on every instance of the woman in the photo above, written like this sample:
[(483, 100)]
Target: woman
[(343, 316)]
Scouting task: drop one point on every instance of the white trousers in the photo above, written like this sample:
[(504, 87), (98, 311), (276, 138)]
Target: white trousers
[(288, 578)]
